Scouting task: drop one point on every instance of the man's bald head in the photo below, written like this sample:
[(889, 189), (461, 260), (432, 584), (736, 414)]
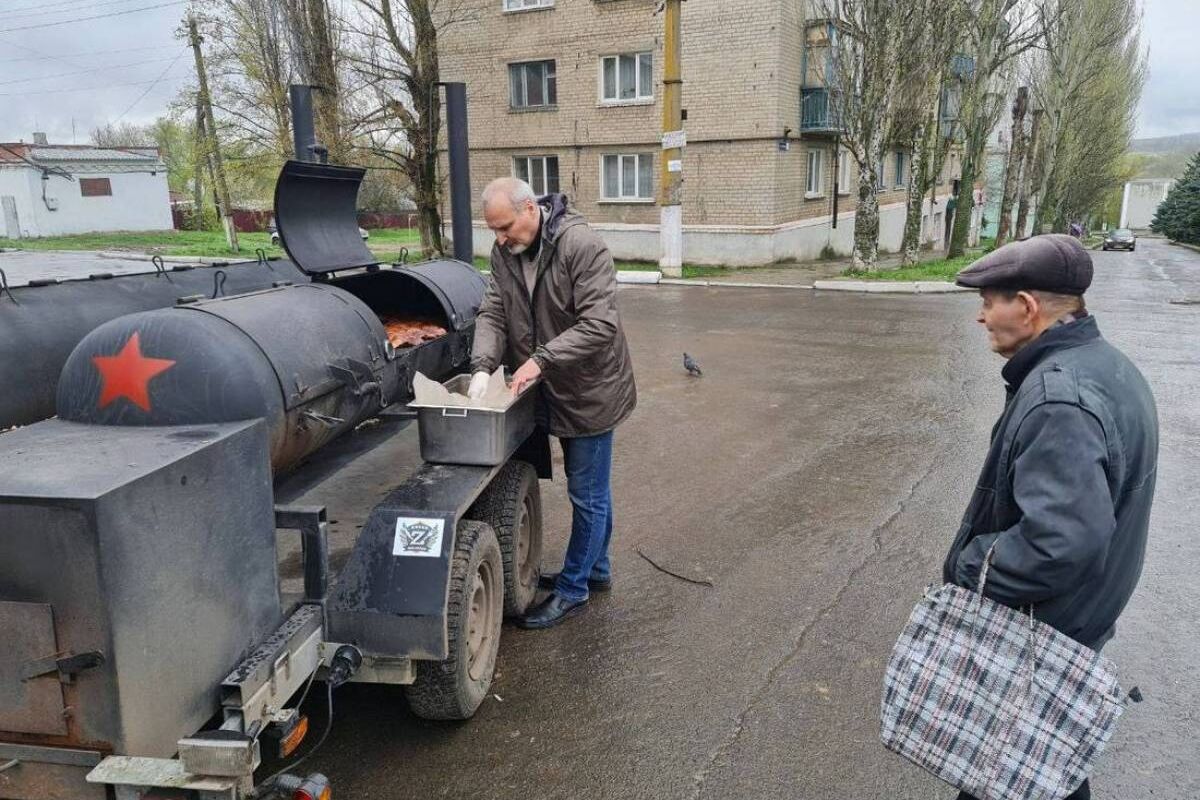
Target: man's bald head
[(511, 211)]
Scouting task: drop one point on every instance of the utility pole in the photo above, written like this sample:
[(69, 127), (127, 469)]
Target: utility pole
[(204, 103), (670, 191), (201, 158)]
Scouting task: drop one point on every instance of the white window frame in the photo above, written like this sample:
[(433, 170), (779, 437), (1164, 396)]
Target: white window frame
[(843, 176), (814, 178), (644, 161), (547, 104), (881, 176), (643, 83), (544, 189), (511, 6), (900, 159)]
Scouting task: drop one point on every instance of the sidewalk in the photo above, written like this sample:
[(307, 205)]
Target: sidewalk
[(797, 274)]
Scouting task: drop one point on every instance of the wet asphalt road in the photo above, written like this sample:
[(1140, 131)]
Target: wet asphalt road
[(815, 475)]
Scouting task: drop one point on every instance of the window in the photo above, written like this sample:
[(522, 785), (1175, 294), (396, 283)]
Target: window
[(95, 187), (540, 172), (901, 170), (817, 42), (532, 84), (523, 5), (843, 176), (627, 177), (880, 183), (627, 77), (814, 185)]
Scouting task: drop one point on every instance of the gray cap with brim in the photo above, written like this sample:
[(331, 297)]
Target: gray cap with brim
[(1054, 263)]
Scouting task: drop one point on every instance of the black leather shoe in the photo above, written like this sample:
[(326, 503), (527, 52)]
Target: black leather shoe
[(550, 612), (547, 581)]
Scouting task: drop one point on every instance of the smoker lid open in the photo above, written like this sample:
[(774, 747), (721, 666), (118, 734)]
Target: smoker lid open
[(316, 211)]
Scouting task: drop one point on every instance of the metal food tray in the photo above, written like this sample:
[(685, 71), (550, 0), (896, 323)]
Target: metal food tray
[(484, 437)]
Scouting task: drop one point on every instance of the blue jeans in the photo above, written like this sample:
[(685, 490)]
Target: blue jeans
[(589, 469)]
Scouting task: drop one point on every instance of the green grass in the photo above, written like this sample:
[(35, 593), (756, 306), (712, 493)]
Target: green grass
[(943, 269), (383, 242)]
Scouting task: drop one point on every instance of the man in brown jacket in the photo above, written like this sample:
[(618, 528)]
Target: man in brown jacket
[(551, 313)]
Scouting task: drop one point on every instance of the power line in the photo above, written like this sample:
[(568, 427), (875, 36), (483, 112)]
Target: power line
[(90, 71), (79, 89), (92, 53), (62, 7), (151, 86), (97, 16)]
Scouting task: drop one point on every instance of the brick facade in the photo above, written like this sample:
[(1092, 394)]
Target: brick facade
[(742, 74)]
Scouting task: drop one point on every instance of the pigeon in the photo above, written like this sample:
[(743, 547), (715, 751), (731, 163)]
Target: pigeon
[(691, 366)]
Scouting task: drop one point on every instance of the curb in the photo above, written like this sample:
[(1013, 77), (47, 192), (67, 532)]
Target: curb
[(644, 277), (731, 285), (891, 287)]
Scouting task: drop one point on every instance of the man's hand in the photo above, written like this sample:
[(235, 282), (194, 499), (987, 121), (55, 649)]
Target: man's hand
[(524, 376)]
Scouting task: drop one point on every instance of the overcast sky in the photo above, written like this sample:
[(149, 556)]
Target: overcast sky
[(91, 71)]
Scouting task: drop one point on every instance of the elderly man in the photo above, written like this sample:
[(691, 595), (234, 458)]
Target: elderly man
[(551, 313), (1064, 497)]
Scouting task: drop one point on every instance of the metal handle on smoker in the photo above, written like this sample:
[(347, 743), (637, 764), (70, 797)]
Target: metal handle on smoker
[(454, 412)]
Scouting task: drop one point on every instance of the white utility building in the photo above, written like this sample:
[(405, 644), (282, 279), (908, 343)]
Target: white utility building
[(55, 189)]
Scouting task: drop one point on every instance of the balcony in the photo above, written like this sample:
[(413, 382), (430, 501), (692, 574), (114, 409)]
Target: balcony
[(818, 112)]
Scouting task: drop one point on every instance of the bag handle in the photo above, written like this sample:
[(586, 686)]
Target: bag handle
[(1031, 642)]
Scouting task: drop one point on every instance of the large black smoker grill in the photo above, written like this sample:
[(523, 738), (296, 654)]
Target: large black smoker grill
[(148, 641)]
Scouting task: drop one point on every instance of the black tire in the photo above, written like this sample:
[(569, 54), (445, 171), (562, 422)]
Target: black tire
[(454, 689), (512, 505)]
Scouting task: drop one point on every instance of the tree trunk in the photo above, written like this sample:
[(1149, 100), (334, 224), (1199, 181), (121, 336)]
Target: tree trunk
[(1027, 174), (1016, 158), (866, 216), (327, 108), (910, 248)]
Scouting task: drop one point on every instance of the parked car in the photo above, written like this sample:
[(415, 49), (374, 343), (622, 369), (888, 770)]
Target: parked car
[(273, 229), (1119, 239)]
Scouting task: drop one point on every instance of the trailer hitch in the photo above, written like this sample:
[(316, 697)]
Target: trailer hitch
[(67, 665)]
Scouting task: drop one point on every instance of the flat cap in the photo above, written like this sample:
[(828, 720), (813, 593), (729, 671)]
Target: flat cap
[(1053, 262)]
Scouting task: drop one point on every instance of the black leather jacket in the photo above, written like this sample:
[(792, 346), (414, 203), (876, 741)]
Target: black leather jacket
[(1066, 489)]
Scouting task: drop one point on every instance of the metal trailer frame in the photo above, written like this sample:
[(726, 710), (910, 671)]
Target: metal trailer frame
[(372, 607)]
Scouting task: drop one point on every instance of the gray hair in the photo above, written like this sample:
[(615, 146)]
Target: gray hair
[(517, 191)]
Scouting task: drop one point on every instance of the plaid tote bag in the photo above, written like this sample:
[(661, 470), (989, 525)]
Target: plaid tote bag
[(993, 702)]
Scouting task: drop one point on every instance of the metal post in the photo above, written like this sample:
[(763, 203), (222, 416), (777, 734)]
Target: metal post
[(670, 194), (837, 172), (304, 131), (460, 171)]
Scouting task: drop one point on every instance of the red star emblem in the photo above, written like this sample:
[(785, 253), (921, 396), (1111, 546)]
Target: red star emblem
[(128, 374)]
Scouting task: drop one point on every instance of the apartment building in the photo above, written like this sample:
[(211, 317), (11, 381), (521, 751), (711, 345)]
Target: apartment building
[(566, 94)]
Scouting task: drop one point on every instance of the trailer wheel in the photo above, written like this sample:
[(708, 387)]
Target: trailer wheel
[(512, 505), (454, 688)]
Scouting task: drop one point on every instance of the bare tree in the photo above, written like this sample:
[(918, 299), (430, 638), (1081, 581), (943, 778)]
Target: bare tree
[(251, 72), (997, 32), (919, 128), (400, 119), (122, 134), (1087, 79), (868, 43)]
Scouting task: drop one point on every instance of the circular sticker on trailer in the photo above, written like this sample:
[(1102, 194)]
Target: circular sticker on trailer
[(418, 537)]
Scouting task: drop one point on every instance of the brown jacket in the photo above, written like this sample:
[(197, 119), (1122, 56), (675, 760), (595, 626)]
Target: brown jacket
[(570, 327)]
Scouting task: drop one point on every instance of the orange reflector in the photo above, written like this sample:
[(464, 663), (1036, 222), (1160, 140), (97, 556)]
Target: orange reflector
[(289, 743), (303, 794)]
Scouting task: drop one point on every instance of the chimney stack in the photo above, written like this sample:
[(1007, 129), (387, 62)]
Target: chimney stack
[(39, 138)]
